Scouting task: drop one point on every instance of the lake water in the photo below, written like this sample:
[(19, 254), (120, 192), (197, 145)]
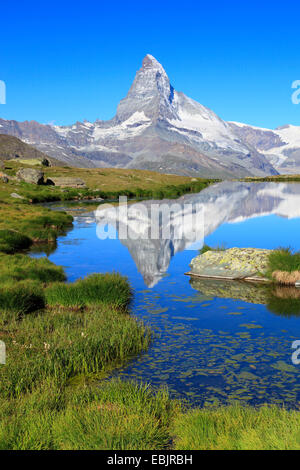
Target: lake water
[(214, 342)]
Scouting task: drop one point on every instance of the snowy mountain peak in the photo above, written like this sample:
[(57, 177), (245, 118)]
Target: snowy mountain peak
[(151, 93), (157, 128), (150, 62)]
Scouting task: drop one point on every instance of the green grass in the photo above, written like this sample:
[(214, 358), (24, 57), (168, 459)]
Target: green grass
[(207, 248), (116, 415), (107, 183), (86, 331), (283, 259), (21, 268), (237, 428), (96, 289), (39, 194), (22, 281), (21, 298), (113, 415), (12, 241), (22, 224), (48, 226), (62, 345), (273, 178)]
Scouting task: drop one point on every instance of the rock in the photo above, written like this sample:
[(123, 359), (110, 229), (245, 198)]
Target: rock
[(3, 177), (29, 175), (66, 182), (16, 196), (45, 162), (234, 263)]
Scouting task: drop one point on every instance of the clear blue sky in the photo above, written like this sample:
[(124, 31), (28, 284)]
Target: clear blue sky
[(67, 61)]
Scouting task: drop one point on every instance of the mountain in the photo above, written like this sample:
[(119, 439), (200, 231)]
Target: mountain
[(280, 146), (12, 147), (155, 128)]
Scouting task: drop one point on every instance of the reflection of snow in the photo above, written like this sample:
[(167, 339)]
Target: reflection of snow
[(222, 203)]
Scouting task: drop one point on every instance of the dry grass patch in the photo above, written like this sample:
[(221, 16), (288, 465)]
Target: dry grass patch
[(286, 278)]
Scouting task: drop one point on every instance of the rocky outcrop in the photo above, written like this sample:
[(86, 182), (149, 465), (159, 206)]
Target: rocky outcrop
[(66, 182), (234, 263), (29, 175), (16, 196)]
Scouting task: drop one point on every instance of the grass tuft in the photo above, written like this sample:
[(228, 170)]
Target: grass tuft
[(12, 241), (21, 298), (97, 289), (207, 248), (284, 266), (21, 268)]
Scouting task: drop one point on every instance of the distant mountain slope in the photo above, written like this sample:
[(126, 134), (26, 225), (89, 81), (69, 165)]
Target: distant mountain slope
[(155, 128), (12, 147), (280, 146)]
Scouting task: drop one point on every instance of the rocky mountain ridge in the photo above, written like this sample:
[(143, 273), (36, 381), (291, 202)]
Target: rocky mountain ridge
[(160, 129)]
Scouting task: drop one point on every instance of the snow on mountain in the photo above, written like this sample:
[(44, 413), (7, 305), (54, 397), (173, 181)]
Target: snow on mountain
[(192, 116), (155, 128), (280, 146)]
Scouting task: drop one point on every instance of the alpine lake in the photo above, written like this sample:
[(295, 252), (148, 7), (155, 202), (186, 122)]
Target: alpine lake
[(214, 342)]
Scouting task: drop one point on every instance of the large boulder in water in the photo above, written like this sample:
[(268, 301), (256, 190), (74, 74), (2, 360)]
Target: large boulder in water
[(234, 263), (29, 175)]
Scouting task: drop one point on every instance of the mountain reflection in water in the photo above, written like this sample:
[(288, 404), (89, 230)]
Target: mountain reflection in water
[(223, 203)]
